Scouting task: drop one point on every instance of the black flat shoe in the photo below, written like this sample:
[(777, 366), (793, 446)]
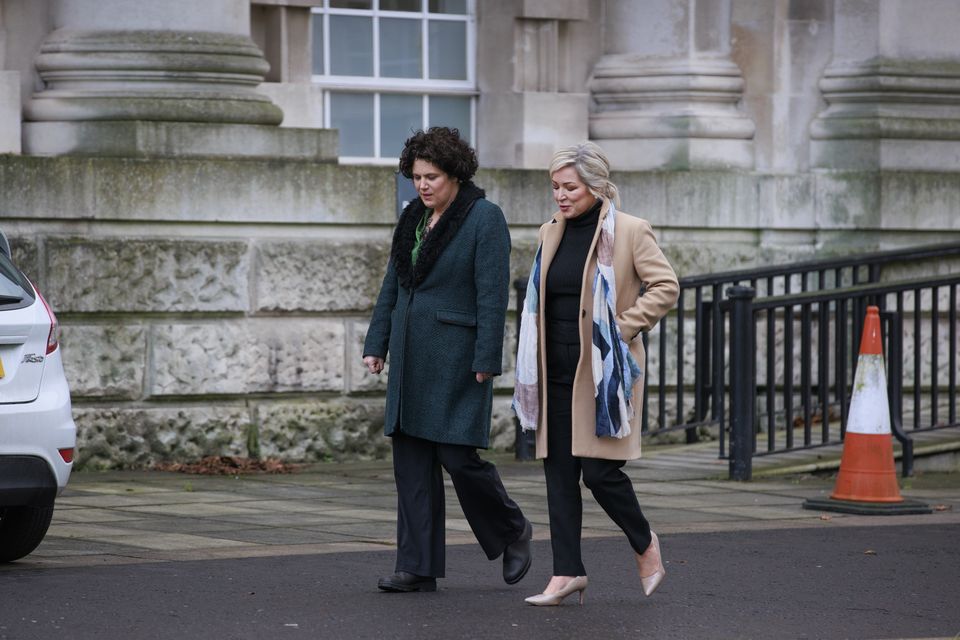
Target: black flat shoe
[(517, 558), (403, 582)]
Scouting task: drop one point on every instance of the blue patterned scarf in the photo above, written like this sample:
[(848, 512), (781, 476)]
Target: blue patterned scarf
[(615, 370)]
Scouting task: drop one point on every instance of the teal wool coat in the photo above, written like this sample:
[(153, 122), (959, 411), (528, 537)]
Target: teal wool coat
[(442, 321)]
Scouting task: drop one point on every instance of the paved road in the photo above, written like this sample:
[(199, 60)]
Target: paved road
[(164, 555), (890, 581)]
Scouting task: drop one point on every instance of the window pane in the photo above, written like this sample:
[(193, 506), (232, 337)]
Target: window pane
[(351, 4), (317, 44), (351, 46), (453, 112), (13, 284), (400, 116), (448, 50), (352, 114), (400, 5), (448, 6), (400, 48)]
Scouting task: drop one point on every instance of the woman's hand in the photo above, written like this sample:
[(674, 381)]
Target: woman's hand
[(374, 364), (483, 377)]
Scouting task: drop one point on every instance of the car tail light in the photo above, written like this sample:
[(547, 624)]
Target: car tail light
[(66, 454), (53, 338)]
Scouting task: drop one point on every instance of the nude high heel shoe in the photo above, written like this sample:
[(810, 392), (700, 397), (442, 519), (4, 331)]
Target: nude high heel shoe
[(652, 581), (553, 599)]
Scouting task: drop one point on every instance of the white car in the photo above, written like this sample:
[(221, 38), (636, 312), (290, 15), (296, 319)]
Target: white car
[(37, 432)]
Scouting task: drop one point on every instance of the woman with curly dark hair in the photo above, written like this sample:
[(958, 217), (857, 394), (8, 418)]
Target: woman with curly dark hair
[(440, 314)]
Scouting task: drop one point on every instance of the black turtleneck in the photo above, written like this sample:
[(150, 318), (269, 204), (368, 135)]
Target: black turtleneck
[(565, 276)]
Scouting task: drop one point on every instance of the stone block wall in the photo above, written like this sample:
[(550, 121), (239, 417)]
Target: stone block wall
[(246, 352), (217, 306)]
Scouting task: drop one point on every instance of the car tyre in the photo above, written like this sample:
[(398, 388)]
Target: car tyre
[(22, 529)]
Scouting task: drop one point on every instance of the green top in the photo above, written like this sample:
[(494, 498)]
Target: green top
[(420, 233)]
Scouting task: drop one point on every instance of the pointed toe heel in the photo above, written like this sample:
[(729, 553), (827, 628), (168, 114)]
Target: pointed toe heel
[(650, 582), (578, 584)]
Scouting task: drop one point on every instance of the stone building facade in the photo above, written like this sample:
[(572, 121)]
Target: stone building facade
[(175, 178)]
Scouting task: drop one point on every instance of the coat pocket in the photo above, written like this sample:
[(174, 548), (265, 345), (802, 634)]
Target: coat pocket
[(461, 318)]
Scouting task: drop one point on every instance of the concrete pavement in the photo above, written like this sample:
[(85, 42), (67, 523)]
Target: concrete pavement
[(142, 516)]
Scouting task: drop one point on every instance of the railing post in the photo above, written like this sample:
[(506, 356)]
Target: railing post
[(742, 381), (894, 361), (717, 344), (524, 445), (701, 380)]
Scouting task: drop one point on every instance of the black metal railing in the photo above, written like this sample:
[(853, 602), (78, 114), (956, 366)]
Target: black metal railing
[(701, 297), (776, 409)]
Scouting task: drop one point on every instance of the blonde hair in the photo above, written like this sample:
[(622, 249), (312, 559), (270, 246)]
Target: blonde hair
[(591, 164)]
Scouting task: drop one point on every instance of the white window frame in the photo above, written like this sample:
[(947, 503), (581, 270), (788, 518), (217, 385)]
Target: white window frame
[(424, 87)]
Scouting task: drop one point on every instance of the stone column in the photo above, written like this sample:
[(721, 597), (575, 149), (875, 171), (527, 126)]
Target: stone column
[(141, 77), (892, 88), (666, 91)]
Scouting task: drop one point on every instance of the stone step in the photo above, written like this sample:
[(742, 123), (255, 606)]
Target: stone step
[(935, 450)]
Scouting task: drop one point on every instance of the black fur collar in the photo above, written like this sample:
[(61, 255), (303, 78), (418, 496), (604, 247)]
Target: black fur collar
[(409, 274)]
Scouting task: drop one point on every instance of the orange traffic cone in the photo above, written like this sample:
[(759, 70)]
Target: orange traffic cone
[(867, 471), (867, 482)]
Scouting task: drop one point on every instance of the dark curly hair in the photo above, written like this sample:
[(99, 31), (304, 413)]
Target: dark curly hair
[(440, 146)]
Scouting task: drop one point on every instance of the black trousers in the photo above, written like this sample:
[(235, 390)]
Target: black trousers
[(495, 519), (610, 486)]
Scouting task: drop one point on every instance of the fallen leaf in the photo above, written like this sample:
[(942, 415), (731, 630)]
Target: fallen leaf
[(942, 507), (869, 552), (229, 465), (817, 418), (826, 517)]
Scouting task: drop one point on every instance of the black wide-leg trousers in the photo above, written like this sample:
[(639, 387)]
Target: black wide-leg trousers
[(610, 486), (495, 519)]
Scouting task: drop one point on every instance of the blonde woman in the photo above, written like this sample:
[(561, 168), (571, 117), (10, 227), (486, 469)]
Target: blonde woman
[(581, 362)]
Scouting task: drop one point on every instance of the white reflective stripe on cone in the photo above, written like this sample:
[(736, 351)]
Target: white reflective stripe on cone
[(869, 408)]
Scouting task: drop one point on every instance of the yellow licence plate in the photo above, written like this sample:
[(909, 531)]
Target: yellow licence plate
[(1, 368)]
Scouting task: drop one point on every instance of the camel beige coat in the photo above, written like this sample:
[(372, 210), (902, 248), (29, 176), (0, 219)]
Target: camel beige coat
[(637, 261)]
